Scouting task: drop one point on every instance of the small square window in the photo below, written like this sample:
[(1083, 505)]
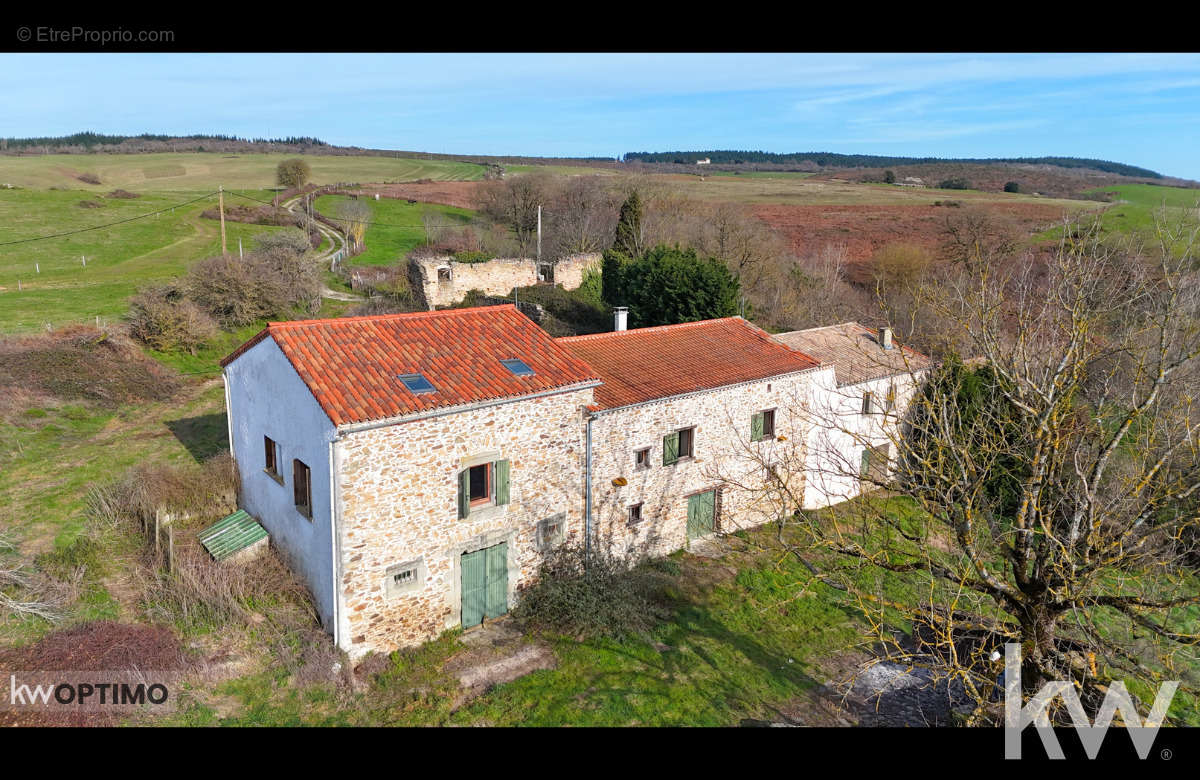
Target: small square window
[(443, 275), (641, 458), (416, 383), (635, 514)]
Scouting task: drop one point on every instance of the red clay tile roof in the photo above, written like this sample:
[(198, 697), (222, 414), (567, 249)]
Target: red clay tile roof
[(352, 364), (650, 363)]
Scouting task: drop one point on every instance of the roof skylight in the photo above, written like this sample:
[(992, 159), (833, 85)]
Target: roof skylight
[(417, 383), (517, 366)]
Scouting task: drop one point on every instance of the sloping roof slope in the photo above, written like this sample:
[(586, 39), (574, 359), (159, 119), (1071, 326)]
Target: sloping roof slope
[(651, 363), (353, 365), (854, 351)]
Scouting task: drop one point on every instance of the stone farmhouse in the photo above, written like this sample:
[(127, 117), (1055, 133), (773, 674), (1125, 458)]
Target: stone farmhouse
[(415, 468)]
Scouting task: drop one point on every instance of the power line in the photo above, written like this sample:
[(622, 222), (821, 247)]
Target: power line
[(338, 219), (110, 224)]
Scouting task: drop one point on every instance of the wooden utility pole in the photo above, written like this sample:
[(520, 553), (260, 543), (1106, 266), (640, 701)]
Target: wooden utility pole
[(539, 248), (221, 206)]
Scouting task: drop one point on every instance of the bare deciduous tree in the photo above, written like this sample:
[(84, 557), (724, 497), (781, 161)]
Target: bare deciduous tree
[(1048, 491)]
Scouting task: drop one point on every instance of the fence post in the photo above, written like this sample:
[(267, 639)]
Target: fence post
[(170, 550)]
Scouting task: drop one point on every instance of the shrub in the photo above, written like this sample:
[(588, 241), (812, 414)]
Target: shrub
[(610, 597), (200, 490), (955, 184), (889, 177), (1012, 186), (90, 204), (290, 239), (163, 319), (198, 593), (122, 194), (88, 178), (469, 256), (83, 363), (266, 284)]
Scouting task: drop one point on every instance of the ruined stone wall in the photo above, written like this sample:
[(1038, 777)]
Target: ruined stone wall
[(399, 488), (724, 458), (494, 277)]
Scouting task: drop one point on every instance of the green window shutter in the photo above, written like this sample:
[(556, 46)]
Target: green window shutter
[(670, 448), (866, 464), (501, 475), (756, 426), (464, 493)]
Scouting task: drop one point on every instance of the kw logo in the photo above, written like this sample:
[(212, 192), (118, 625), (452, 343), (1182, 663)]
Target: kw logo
[(1016, 717)]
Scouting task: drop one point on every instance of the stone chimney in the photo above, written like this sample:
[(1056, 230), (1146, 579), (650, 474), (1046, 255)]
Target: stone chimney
[(885, 338), (620, 313)]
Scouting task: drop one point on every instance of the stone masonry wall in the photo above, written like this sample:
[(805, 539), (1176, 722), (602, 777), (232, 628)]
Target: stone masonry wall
[(399, 488), (725, 458), (494, 277)]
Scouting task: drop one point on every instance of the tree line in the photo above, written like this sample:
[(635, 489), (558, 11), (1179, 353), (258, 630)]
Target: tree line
[(832, 160)]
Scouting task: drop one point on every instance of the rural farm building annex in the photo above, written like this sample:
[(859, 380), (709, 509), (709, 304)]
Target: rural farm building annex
[(415, 468)]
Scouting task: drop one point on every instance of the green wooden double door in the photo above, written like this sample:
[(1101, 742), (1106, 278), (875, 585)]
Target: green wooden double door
[(484, 584), (702, 513)]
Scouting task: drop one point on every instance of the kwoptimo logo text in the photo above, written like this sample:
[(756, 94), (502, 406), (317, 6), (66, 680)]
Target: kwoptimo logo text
[(88, 691), (1117, 698)]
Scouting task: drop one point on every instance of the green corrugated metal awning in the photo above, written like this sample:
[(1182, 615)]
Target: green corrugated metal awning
[(231, 535)]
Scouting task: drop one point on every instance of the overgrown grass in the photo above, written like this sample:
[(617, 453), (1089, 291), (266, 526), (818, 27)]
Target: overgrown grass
[(397, 227)]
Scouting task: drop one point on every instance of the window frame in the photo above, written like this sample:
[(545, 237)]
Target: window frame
[(691, 441), (271, 456), (767, 433), (868, 402), (635, 508), (304, 509), (640, 463), (890, 402), (489, 485)]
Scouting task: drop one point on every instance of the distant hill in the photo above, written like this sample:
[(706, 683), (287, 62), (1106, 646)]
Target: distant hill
[(92, 143), (831, 160)]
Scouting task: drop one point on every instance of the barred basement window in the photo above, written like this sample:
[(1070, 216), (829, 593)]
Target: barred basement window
[(404, 577)]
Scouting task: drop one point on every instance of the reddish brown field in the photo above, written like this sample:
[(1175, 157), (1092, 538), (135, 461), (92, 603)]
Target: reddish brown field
[(863, 228), (447, 193)]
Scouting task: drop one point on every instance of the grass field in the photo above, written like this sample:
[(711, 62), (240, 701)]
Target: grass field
[(46, 282), (1134, 205), (398, 227), (204, 171)]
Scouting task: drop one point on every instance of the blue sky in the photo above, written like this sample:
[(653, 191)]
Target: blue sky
[(1142, 109)]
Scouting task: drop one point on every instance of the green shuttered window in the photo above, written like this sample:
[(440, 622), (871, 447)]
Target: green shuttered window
[(483, 485), (670, 448), (756, 426)]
